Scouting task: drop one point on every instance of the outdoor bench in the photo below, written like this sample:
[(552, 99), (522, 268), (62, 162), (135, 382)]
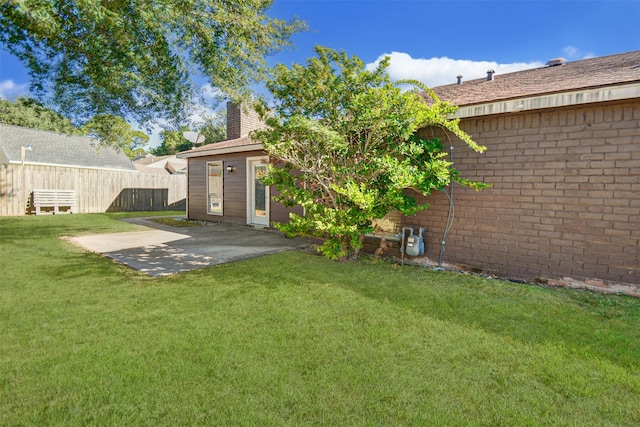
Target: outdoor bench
[(54, 201)]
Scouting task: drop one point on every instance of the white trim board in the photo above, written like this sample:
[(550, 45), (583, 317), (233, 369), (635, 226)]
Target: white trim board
[(587, 96)]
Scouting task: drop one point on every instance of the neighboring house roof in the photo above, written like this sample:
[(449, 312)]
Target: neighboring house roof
[(52, 148), (591, 80), (167, 165)]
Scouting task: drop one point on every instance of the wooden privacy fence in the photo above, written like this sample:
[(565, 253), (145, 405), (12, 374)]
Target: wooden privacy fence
[(97, 190)]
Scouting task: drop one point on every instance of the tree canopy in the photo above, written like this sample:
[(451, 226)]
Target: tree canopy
[(172, 142), (115, 131), (110, 130), (138, 59), (344, 147), (29, 113), (213, 127)]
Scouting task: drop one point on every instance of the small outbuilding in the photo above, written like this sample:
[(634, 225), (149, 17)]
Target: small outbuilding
[(224, 178)]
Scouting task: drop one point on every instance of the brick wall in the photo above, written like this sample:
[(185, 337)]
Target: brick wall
[(241, 121), (565, 201)]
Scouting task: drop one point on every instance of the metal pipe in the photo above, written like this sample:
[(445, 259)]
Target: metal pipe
[(402, 246)]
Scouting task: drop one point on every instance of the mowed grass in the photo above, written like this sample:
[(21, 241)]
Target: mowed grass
[(294, 339)]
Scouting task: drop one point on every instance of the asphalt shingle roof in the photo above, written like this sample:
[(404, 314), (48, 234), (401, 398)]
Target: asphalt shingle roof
[(229, 143), (59, 149), (578, 75), (228, 146)]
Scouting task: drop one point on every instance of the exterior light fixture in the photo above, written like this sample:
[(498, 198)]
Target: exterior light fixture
[(230, 169)]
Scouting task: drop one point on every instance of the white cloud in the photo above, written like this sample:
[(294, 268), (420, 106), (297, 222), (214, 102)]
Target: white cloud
[(570, 51), (10, 89), (573, 53), (442, 71), (210, 92)]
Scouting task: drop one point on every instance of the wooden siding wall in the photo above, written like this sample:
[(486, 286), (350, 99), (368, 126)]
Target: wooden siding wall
[(97, 190), (235, 190)]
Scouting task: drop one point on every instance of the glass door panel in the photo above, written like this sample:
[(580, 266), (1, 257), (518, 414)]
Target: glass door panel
[(258, 193)]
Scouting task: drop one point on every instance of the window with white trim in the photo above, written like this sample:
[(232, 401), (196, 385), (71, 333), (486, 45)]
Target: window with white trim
[(214, 187)]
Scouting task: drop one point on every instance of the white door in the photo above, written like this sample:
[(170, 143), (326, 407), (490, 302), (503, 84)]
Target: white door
[(257, 192)]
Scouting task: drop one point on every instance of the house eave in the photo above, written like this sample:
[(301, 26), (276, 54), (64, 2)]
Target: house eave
[(218, 151), (578, 97)]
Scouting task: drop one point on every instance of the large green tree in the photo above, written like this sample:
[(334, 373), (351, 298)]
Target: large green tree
[(29, 113), (115, 131), (213, 127), (344, 145), (172, 142), (138, 59)]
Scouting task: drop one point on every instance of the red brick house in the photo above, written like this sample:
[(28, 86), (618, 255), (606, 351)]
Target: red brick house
[(563, 156)]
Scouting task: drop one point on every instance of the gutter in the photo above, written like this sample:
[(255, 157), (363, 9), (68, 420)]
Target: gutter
[(585, 96), (217, 151)]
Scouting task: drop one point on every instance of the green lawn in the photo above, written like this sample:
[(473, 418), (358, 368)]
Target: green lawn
[(294, 339)]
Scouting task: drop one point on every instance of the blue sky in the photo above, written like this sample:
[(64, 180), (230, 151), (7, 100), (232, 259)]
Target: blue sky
[(434, 41), (437, 40)]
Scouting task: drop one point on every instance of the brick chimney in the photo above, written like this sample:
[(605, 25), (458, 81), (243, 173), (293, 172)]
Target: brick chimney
[(239, 122)]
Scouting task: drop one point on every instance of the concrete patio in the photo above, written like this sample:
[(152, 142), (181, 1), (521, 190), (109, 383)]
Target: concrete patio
[(163, 249)]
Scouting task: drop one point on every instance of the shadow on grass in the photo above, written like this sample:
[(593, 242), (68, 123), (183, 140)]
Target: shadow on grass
[(54, 226), (603, 325)]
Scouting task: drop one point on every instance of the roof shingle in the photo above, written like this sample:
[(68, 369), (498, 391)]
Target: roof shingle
[(585, 74), (238, 142)]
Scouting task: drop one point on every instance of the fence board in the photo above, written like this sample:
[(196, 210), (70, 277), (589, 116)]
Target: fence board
[(98, 190)]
